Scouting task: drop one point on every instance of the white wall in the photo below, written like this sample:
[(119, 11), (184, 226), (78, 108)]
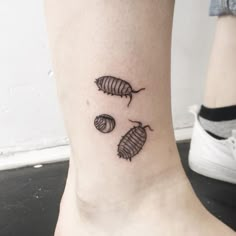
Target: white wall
[(192, 40), (29, 113)]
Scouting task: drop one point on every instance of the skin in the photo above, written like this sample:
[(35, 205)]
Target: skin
[(105, 195), (221, 78)]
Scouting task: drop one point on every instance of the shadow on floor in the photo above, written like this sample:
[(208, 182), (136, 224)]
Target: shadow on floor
[(29, 197)]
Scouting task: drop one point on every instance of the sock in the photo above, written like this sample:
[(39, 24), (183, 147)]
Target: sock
[(218, 122)]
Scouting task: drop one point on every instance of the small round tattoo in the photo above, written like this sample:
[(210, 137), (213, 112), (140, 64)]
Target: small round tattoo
[(104, 123)]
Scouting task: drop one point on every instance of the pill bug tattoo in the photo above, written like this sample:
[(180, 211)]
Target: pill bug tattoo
[(115, 86), (133, 141), (104, 123)]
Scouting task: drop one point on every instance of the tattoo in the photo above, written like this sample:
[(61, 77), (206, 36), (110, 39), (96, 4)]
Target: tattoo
[(104, 123), (133, 141), (115, 86)]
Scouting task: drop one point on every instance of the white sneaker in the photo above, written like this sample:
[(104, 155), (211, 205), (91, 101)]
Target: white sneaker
[(212, 157)]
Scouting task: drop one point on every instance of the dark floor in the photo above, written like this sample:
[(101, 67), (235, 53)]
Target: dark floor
[(29, 197)]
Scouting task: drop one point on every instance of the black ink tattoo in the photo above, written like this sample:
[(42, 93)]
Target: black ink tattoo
[(133, 141), (115, 86), (104, 123)]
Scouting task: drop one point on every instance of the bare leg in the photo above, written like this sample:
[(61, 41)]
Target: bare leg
[(107, 195), (221, 79)]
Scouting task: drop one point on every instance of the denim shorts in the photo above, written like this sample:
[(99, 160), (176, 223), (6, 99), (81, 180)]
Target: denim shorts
[(222, 7)]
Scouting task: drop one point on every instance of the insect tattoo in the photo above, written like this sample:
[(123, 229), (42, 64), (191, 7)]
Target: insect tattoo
[(104, 123), (115, 86), (133, 141)]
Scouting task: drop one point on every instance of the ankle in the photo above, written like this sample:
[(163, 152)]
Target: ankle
[(107, 194), (108, 213)]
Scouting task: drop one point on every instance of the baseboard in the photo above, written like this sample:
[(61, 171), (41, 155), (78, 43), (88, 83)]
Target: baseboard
[(183, 134), (35, 157), (18, 157)]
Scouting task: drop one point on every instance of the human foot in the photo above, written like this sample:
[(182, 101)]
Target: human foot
[(165, 206)]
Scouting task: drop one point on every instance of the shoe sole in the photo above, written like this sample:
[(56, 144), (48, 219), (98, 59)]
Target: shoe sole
[(211, 169)]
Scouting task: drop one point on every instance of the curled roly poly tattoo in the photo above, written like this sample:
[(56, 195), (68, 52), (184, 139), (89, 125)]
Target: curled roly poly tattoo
[(133, 141), (104, 123), (115, 86)]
